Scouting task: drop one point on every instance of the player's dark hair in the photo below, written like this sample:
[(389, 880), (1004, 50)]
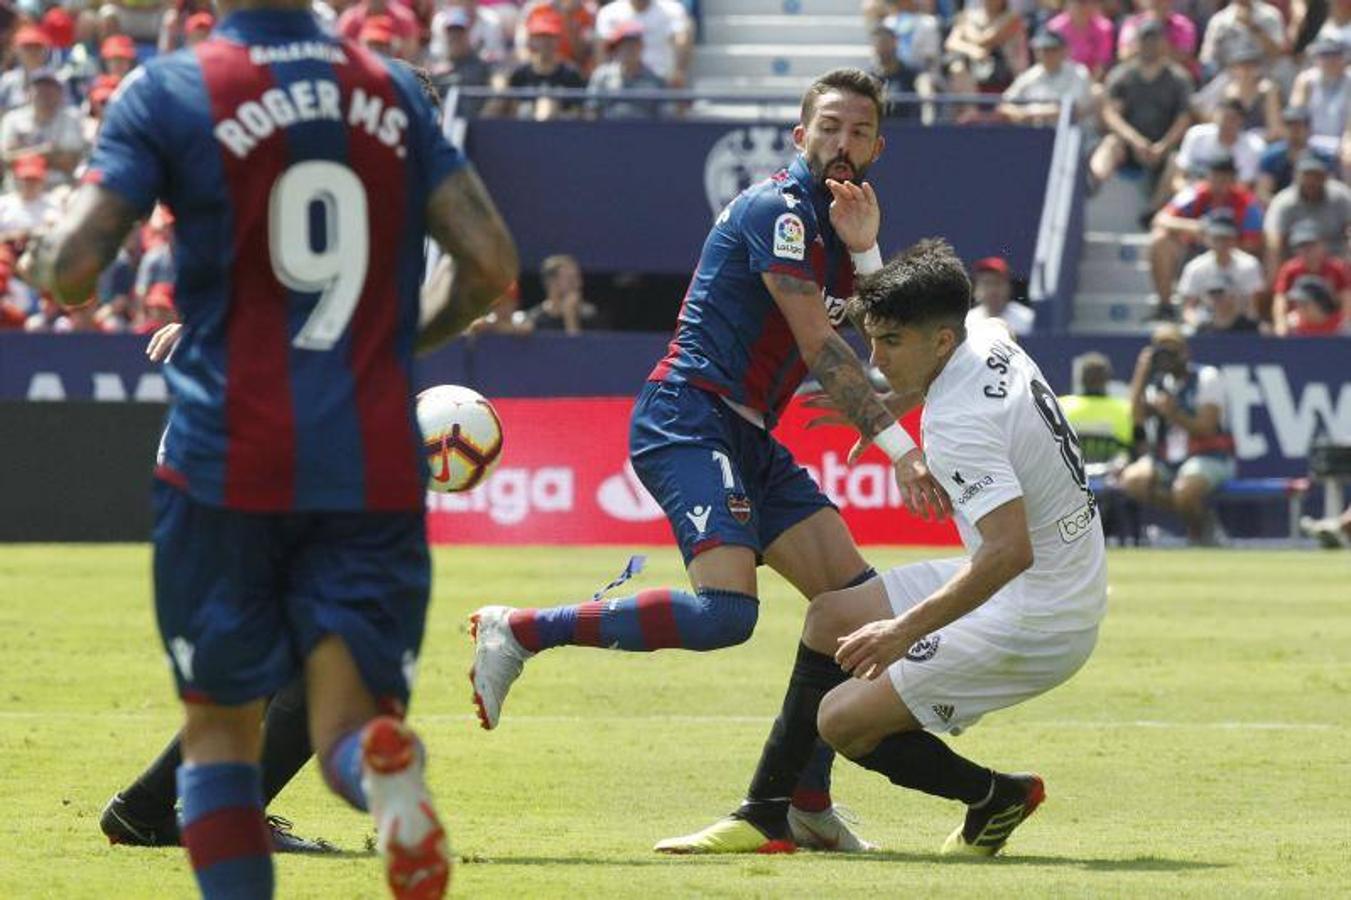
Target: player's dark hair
[(855, 81), (925, 285)]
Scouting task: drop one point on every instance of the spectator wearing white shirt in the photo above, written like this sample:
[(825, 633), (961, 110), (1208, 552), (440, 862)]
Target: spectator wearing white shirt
[(31, 47), (668, 35), (488, 32), (919, 36), (1053, 80), (1242, 24), (1224, 264), (1223, 137), (1337, 26), (26, 208), (1324, 89), (992, 291), (46, 126)]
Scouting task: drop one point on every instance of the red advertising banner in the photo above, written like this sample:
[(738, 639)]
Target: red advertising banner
[(564, 478)]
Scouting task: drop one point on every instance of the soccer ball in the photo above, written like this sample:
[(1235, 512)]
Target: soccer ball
[(461, 436)]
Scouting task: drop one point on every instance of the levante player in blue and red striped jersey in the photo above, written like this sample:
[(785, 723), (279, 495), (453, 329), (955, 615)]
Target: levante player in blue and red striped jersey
[(760, 314), (305, 173)]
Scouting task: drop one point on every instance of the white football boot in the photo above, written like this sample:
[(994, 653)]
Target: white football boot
[(498, 661), (410, 837), (826, 830)]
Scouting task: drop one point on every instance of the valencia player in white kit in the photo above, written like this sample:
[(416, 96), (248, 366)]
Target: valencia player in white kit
[(932, 647)]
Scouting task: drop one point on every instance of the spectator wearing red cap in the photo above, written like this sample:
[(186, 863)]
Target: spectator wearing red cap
[(545, 69), (59, 26), (579, 29), (1311, 257), (118, 54), (26, 208), (157, 310), (32, 47), (45, 125), (100, 92), (406, 32), (377, 35), (179, 20), (625, 71), (668, 34), (992, 290), (198, 28)]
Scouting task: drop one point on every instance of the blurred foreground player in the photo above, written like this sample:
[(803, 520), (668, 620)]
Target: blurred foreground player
[(759, 314), (958, 638), (143, 814), (305, 173)]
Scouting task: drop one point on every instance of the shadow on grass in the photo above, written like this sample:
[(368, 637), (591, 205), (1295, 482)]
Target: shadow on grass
[(1138, 864)]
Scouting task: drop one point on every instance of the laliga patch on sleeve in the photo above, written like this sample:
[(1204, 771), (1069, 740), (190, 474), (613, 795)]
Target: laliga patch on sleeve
[(790, 237)]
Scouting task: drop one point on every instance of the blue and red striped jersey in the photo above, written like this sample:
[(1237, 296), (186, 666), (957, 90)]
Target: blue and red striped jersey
[(730, 336), (297, 166)]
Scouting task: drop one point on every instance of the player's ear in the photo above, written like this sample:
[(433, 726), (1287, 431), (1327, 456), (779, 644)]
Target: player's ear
[(800, 136), (881, 145)]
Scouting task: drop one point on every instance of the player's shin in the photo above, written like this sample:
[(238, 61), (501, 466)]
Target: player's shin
[(224, 831), (923, 762), (286, 738), (650, 620), (792, 742)]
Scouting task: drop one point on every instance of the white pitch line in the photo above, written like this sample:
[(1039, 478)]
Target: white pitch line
[(676, 719)]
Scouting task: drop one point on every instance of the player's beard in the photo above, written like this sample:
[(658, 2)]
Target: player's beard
[(826, 168)]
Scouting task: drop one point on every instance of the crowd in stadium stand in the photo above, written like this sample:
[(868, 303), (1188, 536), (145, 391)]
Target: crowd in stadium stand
[(1236, 114)]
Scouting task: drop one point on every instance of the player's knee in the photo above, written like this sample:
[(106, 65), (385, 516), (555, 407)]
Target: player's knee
[(821, 625), (837, 725), (727, 618)]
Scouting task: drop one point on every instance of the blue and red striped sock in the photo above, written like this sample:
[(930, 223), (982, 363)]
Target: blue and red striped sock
[(649, 620), (224, 831), (342, 769)]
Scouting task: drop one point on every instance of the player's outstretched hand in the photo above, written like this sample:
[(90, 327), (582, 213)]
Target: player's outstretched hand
[(868, 651), (920, 491), (162, 343), (854, 213)]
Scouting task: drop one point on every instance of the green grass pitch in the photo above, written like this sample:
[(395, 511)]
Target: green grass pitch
[(1205, 750)]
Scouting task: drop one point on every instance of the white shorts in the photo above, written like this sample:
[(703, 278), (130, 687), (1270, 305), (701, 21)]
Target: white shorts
[(984, 661)]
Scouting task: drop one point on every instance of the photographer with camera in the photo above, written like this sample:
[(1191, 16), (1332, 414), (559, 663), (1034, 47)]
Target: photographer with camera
[(1190, 451)]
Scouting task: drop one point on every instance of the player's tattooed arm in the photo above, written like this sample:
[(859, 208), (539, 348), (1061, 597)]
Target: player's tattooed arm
[(66, 261), (829, 357), (464, 221)]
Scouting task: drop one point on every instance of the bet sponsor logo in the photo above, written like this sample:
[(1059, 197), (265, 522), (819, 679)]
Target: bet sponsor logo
[(1076, 524)]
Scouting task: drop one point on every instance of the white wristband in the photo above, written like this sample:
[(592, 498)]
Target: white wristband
[(894, 441), (867, 262)]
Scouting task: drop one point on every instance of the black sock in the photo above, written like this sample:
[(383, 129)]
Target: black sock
[(792, 741), (921, 761), (286, 738), (150, 798)]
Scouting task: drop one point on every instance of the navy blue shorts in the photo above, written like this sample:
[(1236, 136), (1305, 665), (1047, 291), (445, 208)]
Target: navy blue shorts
[(719, 478), (242, 598)]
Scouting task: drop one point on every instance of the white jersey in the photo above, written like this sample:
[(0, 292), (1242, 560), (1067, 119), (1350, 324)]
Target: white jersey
[(993, 432)]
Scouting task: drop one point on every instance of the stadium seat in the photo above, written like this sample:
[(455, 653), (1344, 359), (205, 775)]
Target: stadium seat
[(1250, 490)]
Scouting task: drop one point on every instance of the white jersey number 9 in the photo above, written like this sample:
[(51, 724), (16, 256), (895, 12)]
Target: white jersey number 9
[(338, 271)]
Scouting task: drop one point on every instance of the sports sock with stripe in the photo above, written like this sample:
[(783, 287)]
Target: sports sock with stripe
[(923, 762), (649, 620), (795, 763), (342, 769), (224, 831), (792, 742)]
